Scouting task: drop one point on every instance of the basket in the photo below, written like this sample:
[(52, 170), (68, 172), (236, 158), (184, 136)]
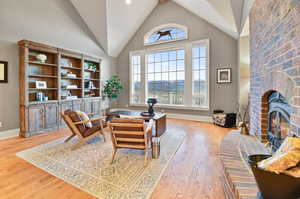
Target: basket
[(272, 185)]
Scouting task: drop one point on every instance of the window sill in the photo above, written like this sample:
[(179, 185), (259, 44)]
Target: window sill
[(172, 107)]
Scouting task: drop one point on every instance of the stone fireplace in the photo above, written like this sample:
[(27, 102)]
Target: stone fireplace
[(275, 70)]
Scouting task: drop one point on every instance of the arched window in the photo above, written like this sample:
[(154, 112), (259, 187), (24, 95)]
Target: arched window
[(166, 33)]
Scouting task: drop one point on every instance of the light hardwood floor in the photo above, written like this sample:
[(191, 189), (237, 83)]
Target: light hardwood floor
[(194, 173)]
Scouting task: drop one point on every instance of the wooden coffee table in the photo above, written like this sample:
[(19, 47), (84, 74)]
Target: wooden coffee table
[(160, 120)]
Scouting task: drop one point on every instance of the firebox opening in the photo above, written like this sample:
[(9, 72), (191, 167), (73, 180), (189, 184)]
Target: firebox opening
[(278, 119)]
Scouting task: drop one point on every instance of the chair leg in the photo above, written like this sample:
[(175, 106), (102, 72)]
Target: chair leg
[(103, 136), (69, 138), (102, 131), (146, 157), (113, 157)]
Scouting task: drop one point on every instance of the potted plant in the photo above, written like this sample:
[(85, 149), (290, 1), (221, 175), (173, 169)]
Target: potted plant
[(113, 88)]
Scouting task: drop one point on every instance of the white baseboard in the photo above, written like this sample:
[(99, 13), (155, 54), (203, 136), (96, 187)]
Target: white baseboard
[(199, 118), (9, 134)]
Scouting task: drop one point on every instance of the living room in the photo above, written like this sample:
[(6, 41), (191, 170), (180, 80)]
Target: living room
[(149, 99)]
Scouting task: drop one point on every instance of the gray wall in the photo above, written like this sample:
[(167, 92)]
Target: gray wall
[(58, 25), (9, 93), (223, 53), (244, 70)]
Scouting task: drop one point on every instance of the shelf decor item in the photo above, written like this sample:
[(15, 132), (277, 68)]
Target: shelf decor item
[(40, 96), (40, 84), (65, 62), (90, 66), (223, 75), (3, 72), (71, 75), (41, 58), (71, 86)]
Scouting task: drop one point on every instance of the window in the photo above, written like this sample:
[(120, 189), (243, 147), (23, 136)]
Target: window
[(165, 76), (166, 33), (200, 83), (136, 79), (177, 75)]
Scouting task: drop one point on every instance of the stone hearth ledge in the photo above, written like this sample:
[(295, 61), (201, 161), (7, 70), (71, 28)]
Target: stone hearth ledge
[(234, 150)]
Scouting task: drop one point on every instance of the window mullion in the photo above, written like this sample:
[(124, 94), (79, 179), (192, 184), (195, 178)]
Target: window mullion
[(143, 78), (188, 85)]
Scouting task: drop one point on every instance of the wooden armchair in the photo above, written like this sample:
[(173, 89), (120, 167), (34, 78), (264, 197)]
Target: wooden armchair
[(78, 128), (131, 133)]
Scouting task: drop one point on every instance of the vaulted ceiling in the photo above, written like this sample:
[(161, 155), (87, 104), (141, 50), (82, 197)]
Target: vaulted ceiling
[(113, 22)]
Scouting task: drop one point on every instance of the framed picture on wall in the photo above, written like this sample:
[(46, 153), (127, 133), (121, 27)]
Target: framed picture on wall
[(3, 72), (224, 75)]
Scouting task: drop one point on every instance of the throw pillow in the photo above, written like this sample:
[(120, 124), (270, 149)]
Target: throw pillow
[(84, 117)]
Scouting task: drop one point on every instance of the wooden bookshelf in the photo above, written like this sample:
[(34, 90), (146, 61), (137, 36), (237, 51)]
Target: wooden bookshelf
[(72, 82)]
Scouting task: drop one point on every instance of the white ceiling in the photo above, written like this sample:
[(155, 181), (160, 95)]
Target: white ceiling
[(122, 20)]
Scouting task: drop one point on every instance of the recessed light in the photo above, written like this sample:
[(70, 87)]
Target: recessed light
[(128, 2)]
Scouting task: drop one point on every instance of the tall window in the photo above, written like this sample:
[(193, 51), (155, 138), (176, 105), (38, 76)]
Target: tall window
[(177, 75), (136, 79), (165, 76), (200, 83)]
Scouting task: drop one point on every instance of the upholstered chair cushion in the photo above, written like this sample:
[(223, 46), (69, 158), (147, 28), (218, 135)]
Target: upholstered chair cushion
[(75, 118)]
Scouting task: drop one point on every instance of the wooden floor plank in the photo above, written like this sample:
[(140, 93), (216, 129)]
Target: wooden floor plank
[(193, 173)]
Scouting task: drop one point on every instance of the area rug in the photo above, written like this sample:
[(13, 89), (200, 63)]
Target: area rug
[(89, 168)]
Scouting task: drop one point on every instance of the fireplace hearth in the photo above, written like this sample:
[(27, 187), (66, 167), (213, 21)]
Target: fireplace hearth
[(278, 119)]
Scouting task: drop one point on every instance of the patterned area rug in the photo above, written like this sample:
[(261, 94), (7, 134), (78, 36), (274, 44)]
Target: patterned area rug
[(88, 167)]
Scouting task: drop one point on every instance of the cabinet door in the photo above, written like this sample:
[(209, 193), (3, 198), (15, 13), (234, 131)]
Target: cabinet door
[(65, 106), (96, 107), (51, 116), (88, 106), (78, 105), (35, 119)]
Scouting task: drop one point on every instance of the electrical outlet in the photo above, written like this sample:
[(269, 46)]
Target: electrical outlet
[(1, 126)]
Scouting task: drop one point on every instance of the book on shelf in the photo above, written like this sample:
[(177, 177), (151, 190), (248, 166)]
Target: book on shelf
[(71, 86)]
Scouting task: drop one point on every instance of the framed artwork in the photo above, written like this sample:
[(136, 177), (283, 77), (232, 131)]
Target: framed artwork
[(3, 72), (224, 75), (41, 84)]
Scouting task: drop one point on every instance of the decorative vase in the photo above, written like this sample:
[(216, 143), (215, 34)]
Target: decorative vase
[(41, 58), (244, 128)]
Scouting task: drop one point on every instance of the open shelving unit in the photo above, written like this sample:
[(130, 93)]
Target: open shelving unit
[(71, 65), (42, 71), (72, 81), (91, 78)]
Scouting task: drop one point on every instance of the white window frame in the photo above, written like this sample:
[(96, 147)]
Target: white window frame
[(202, 43), (188, 47)]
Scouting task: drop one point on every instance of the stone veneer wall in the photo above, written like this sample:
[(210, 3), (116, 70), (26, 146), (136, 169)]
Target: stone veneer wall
[(275, 60)]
